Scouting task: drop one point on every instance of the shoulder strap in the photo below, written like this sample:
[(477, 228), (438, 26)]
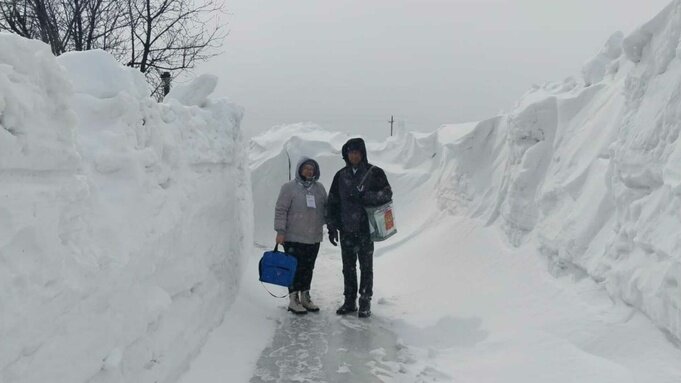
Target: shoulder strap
[(361, 183)]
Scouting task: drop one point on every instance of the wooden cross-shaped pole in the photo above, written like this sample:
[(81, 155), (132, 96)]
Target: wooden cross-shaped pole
[(391, 121)]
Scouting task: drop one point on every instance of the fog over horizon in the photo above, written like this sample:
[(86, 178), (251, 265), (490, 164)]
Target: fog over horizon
[(348, 65)]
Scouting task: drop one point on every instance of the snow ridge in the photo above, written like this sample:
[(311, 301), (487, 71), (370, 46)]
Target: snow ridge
[(588, 169), (123, 221)]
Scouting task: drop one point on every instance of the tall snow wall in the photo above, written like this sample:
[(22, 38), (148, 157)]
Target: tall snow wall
[(590, 169), (123, 222)]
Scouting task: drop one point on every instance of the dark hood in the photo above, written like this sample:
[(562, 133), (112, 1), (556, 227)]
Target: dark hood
[(355, 144)]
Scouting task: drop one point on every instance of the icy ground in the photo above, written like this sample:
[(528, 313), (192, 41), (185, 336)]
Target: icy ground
[(323, 347), (317, 347)]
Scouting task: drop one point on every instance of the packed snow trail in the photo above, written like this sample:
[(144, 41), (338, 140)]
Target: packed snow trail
[(325, 347), (316, 347)]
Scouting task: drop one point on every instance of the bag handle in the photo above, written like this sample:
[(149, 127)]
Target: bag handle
[(269, 292), (276, 250)]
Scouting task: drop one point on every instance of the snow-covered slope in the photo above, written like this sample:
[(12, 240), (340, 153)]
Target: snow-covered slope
[(589, 168), (586, 169), (123, 222)]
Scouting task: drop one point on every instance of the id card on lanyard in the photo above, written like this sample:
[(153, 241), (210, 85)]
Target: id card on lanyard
[(311, 201)]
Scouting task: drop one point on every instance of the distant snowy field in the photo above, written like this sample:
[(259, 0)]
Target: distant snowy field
[(123, 222)]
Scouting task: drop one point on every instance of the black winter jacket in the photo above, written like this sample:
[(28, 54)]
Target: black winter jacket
[(346, 200)]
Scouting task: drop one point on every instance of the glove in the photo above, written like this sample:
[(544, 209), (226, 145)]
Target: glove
[(333, 237)]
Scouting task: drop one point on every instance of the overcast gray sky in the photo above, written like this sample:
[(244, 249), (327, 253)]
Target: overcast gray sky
[(350, 64)]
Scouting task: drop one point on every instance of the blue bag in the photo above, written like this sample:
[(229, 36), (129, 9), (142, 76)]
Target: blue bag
[(277, 268)]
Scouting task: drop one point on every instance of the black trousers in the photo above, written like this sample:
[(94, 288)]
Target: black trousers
[(357, 247), (306, 255)]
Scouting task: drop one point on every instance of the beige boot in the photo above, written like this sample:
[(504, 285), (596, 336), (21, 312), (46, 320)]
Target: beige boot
[(307, 302), (294, 305)]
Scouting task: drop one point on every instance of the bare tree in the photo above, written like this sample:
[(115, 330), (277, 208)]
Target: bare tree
[(37, 19), (172, 35), (98, 24), (153, 36), (67, 24), (14, 18)]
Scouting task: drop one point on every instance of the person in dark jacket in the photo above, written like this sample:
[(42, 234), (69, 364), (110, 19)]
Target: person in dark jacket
[(356, 186), (299, 217)]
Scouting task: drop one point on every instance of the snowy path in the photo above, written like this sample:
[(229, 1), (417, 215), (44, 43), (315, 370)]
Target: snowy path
[(325, 347), (317, 347)]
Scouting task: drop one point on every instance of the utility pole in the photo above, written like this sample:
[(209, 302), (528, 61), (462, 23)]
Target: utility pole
[(391, 121)]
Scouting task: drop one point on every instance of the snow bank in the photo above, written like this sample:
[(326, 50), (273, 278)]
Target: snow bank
[(30, 81), (407, 161), (123, 222), (588, 172), (273, 158), (596, 69), (196, 93), (585, 169)]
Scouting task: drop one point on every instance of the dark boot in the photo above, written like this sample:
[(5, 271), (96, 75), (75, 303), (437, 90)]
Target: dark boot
[(364, 307), (348, 307)]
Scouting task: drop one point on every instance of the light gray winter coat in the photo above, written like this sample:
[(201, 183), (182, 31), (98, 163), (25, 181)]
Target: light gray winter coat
[(293, 217)]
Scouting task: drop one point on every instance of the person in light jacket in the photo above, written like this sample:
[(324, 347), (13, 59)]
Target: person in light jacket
[(298, 221)]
